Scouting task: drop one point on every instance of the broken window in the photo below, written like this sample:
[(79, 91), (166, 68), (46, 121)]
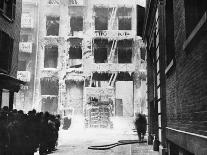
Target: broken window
[(54, 2), (124, 55), (6, 49), (51, 57), (100, 50), (100, 55), (125, 51), (75, 51), (124, 18), (125, 23), (52, 26), (21, 65), (76, 24), (7, 7), (101, 18), (49, 86)]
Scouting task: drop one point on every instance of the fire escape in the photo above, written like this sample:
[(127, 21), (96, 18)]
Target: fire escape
[(112, 19), (111, 57)]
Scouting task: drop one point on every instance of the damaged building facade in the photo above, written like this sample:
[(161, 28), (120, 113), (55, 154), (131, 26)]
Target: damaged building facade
[(90, 61), (27, 54)]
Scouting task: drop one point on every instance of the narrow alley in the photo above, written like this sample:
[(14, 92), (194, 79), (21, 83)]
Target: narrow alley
[(77, 140), (103, 77)]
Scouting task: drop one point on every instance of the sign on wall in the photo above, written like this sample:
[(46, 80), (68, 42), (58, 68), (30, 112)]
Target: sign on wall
[(25, 47), (23, 76), (26, 21)]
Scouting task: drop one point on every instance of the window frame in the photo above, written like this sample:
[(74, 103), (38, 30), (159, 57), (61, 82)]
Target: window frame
[(170, 38), (58, 17), (46, 50), (81, 18), (3, 11), (10, 52), (125, 17)]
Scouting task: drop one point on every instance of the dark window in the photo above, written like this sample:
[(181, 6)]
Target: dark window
[(194, 10), (22, 66), (75, 51), (125, 23), (124, 55), (1, 5), (6, 50), (170, 47), (101, 18), (76, 24), (7, 7), (49, 86), (100, 55), (125, 50), (52, 26), (100, 50), (124, 11), (101, 23), (143, 53), (51, 57), (140, 19)]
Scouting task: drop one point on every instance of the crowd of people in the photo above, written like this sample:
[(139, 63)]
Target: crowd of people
[(24, 134)]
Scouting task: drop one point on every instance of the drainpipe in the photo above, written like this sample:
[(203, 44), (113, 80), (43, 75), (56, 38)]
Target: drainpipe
[(36, 54)]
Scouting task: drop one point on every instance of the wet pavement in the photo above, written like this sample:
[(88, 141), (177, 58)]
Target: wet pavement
[(77, 139), (72, 145)]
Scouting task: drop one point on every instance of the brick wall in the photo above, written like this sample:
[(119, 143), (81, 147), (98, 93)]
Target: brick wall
[(186, 85), (13, 30)]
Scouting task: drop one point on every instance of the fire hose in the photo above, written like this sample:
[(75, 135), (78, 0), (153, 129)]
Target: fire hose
[(109, 146)]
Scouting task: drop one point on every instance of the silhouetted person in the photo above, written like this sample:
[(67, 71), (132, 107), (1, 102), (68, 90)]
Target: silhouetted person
[(141, 126)]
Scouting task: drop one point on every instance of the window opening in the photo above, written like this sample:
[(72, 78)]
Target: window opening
[(51, 57), (124, 18), (52, 26), (76, 24), (75, 51), (6, 49), (100, 50), (124, 48), (125, 23), (49, 86), (101, 18), (8, 8)]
